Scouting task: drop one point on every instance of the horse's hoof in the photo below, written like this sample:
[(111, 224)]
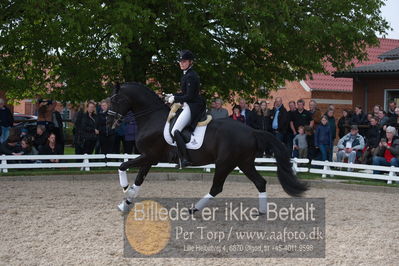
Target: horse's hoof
[(123, 207), (261, 213), (192, 210)]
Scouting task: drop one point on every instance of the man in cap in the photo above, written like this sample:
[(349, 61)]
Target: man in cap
[(193, 104), (350, 145)]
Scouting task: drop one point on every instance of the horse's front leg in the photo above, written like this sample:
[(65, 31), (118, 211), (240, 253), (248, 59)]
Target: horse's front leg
[(132, 191)]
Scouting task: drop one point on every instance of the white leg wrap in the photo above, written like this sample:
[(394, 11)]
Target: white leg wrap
[(263, 202), (132, 192), (203, 202), (123, 178)]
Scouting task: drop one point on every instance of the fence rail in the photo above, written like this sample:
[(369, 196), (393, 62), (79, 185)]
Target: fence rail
[(86, 161), (335, 168), (41, 161)]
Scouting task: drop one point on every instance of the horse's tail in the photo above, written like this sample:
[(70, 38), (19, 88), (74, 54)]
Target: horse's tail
[(288, 180)]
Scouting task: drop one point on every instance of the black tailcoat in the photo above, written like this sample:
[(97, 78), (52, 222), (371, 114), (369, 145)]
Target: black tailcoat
[(190, 93)]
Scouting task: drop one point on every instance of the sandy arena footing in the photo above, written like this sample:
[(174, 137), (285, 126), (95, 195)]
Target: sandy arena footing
[(48, 221)]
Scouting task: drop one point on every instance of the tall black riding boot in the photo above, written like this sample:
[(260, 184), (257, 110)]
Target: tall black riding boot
[(181, 148)]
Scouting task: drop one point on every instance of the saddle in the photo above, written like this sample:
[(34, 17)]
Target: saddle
[(174, 113)]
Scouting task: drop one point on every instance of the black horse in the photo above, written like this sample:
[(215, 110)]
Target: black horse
[(227, 143)]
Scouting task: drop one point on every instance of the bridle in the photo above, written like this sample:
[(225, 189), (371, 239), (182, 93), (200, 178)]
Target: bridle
[(118, 117)]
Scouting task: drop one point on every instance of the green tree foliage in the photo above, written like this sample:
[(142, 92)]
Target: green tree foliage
[(74, 49)]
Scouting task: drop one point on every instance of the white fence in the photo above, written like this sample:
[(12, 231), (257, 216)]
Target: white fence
[(41, 161), (335, 168), (85, 162)]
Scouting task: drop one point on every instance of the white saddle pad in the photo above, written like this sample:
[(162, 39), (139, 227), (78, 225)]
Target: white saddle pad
[(197, 138)]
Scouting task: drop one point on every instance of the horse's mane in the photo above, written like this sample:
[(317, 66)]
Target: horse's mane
[(142, 87)]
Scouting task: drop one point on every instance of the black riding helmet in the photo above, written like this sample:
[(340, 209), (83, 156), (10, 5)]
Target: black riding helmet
[(186, 55)]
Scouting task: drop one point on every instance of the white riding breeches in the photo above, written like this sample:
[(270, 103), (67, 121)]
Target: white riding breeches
[(183, 119)]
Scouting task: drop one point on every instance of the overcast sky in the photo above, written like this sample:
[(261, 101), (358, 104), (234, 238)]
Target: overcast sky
[(390, 12)]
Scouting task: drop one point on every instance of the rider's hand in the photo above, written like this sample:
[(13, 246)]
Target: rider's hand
[(171, 99), (167, 96)]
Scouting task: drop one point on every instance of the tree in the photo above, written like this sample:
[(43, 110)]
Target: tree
[(75, 48)]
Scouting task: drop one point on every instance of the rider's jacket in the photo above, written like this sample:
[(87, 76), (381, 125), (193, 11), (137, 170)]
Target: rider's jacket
[(190, 93)]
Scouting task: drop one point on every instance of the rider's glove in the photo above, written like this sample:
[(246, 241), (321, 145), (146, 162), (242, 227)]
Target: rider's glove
[(167, 96), (171, 99)]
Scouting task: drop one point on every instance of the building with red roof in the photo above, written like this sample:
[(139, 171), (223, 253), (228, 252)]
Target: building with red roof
[(326, 89)]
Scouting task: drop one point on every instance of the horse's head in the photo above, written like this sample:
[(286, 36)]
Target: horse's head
[(119, 107)]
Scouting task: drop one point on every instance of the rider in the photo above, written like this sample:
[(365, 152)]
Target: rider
[(193, 104)]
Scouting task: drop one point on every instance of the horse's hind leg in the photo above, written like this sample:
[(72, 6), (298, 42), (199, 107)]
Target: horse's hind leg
[(221, 172), (260, 183)]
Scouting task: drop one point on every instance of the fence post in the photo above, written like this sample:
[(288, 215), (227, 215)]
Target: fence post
[(86, 161), (391, 173), (295, 166), (4, 163), (125, 159), (325, 169)]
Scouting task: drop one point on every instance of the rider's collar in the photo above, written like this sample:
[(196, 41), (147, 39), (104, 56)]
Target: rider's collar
[(185, 71)]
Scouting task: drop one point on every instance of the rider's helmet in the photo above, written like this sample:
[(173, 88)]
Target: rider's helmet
[(186, 55)]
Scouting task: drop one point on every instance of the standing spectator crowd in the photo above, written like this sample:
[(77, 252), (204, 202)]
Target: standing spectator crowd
[(369, 138), (89, 131)]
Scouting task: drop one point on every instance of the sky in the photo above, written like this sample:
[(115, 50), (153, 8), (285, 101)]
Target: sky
[(390, 13)]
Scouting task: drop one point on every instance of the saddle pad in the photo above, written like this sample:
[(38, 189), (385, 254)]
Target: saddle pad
[(197, 138)]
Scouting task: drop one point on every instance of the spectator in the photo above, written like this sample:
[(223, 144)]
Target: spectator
[(263, 117), (119, 138), (344, 123), (58, 125), (11, 146), (45, 114), (383, 122), (369, 116), (6, 121), (372, 140), (106, 138), (77, 135), (312, 151), (316, 113), (87, 128), (323, 139), (376, 109), (51, 148), (263, 123), (237, 114), (351, 145), (301, 117), (40, 138), (391, 110), (24, 133), (290, 133), (394, 120), (245, 112), (27, 147), (333, 131), (279, 118), (254, 113), (359, 119), (256, 108), (387, 152), (219, 112), (130, 133), (300, 144), (213, 104)]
